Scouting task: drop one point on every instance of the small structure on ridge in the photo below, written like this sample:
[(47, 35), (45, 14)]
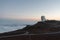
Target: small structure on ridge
[(43, 19)]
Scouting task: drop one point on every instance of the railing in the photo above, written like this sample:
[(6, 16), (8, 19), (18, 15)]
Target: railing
[(44, 36)]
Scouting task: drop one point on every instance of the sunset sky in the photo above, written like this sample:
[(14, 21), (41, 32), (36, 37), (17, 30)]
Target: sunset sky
[(30, 9)]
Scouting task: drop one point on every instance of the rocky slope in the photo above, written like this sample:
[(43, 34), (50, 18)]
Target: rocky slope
[(38, 28)]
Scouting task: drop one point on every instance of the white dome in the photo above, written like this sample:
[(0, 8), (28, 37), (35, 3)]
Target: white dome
[(43, 18)]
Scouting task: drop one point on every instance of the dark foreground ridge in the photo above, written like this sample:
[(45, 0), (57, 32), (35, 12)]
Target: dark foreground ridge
[(48, 30)]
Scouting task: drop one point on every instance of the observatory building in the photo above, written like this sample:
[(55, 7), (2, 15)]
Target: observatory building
[(43, 18)]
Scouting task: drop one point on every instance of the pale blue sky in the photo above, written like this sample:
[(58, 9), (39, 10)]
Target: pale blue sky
[(30, 9)]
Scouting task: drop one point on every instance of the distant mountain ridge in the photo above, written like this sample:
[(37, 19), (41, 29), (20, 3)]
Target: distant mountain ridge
[(38, 28)]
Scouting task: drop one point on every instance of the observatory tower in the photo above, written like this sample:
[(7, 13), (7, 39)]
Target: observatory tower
[(43, 18)]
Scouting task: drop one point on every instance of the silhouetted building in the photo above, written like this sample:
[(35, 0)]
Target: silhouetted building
[(43, 18)]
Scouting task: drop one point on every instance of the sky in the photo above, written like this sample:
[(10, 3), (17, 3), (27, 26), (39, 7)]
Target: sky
[(30, 9)]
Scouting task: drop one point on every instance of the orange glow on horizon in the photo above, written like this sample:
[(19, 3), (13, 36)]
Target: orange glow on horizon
[(35, 18)]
